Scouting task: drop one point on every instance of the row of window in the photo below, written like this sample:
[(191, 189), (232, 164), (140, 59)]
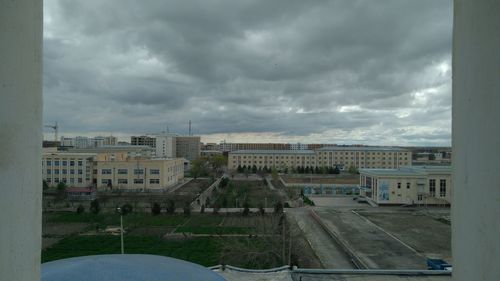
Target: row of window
[(442, 187), (64, 163), (135, 181), (64, 180), (125, 171), (64, 171)]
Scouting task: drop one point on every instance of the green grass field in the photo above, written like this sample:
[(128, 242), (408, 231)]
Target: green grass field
[(201, 250)]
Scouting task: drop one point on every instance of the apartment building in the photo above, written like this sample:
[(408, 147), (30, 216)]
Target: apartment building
[(124, 172), (428, 185), (342, 157), (88, 142), (223, 146), (188, 147)]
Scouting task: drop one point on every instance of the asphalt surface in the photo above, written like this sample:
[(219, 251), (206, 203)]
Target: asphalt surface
[(330, 254)]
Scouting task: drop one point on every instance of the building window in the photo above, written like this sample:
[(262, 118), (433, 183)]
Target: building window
[(56, 172), (49, 171), (122, 171), (64, 171), (65, 163), (154, 181), (154, 171), (442, 188), (80, 163), (64, 180), (106, 171), (72, 171), (407, 185), (49, 180), (138, 181), (56, 163), (49, 163), (432, 187), (122, 181), (72, 163), (56, 180), (399, 185), (105, 181), (80, 180), (80, 172), (138, 171), (71, 180)]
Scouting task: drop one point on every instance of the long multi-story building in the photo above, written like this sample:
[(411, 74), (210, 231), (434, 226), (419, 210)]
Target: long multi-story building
[(171, 145), (408, 185), (341, 157), (88, 142), (123, 172), (111, 169)]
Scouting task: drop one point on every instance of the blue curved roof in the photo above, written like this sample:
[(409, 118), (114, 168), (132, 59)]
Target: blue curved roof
[(125, 267)]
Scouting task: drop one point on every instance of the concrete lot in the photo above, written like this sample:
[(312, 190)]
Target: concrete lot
[(335, 202), (425, 234), (374, 247)]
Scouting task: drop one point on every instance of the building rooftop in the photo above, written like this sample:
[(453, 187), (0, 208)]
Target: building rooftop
[(125, 267), (362, 148), (408, 171), (263, 151)]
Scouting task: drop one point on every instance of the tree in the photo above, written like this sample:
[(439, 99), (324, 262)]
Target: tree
[(156, 209), (278, 208), (239, 169), (217, 162), (94, 206), (246, 209), (171, 206), (262, 211), (223, 182), (316, 170), (187, 209), (45, 186), (336, 171), (199, 167), (247, 172), (254, 169), (353, 170), (80, 209), (202, 209), (126, 209), (274, 174)]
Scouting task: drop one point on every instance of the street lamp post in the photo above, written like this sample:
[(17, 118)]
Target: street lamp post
[(121, 228)]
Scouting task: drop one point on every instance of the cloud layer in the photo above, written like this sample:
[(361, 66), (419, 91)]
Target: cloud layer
[(336, 71)]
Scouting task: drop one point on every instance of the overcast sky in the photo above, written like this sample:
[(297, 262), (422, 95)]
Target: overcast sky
[(346, 71)]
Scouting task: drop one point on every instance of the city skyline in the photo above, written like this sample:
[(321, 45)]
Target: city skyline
[(346, 72)]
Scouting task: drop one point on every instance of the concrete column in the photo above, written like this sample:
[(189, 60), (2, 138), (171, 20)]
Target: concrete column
[(476, 140), (20, 131)]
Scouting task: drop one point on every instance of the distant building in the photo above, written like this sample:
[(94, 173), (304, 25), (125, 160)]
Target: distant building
[(87, 142), (341, 157), (298, 146), (227, 147), (73, 169), (143, 140), (188, 147), (166, 145), (408, 185)]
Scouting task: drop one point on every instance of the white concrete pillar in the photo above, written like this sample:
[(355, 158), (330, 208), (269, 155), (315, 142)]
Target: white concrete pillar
[(476, 140), (20, 131)]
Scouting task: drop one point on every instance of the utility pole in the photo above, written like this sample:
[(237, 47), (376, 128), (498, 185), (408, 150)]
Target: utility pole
[(121, 229)]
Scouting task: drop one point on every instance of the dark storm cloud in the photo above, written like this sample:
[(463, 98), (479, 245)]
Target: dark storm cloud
[(319, 70)]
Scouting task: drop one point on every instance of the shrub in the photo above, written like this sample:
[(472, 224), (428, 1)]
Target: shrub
[(171, 206), (187, 209), (156, 209), (127, 209), (246, 209), (80, 209), (94, 206), (286, 205), (262, 211), (202, 209), (278, 208)]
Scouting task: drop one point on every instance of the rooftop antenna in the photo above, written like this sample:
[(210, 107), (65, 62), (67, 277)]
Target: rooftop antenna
[(189, 128), (55, 128)]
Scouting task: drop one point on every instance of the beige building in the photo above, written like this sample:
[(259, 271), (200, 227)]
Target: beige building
[(428, 185), (73, 169), (112, 169), (123, 172), (188, 147), (342, 157)]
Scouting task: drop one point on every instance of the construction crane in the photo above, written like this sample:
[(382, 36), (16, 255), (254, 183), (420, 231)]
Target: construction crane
[(55, 127)]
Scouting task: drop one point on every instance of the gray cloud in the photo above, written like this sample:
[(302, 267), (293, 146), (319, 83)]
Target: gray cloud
[(340, 71)]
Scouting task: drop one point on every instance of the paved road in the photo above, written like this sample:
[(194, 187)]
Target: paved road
[(329, 253)]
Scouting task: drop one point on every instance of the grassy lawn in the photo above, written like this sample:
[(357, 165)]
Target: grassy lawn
[(215, 230), (202, 250), (255, 193)]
